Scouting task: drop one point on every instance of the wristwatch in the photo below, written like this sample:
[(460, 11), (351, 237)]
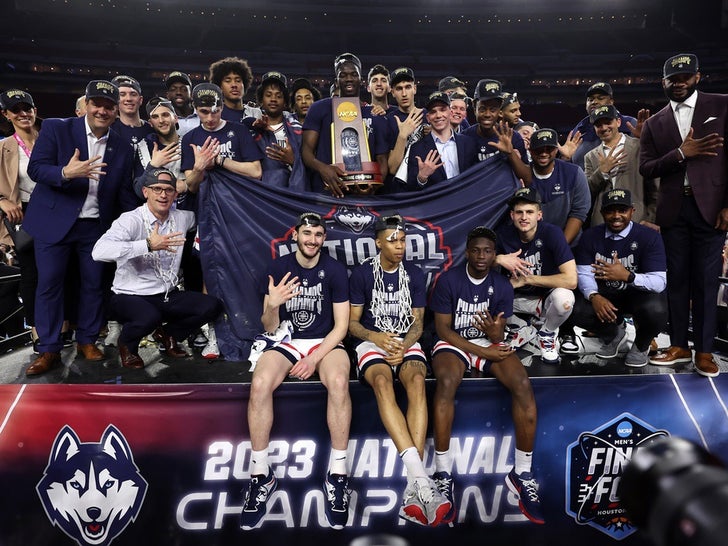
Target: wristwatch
[(631, 277)]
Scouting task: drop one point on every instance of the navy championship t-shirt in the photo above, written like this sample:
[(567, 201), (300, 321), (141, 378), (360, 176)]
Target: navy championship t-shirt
[(641, 251), (235, 141), (361, 287), (545, 252), (310, 311), (457, 295)]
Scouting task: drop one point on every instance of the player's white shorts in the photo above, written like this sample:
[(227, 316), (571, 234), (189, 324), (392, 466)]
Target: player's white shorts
[(367, 353), (469, 359), (295, 349)]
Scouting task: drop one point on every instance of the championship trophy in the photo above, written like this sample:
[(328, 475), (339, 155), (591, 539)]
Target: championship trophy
[(350, 147)]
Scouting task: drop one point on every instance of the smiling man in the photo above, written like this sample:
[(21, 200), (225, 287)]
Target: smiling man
[(310, 289), (130, 125), (146, 245), (621, 268), (82, 171), (684, 145)]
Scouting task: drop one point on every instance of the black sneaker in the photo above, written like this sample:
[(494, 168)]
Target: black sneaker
[(259, 491), (336, 488), (568, 345)]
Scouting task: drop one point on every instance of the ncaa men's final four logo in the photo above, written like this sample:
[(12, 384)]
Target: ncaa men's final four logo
[(594, 466), (92, 491)]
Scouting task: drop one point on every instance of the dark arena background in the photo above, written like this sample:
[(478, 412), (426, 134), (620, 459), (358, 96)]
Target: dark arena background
[(181, 425)]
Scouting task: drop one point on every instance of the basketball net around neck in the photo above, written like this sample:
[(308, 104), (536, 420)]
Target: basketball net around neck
[(383, 320)]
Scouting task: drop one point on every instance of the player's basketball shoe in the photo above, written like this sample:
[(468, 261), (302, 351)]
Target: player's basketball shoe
[(336, 487), (443, 481), (524, 486), (259, 491)]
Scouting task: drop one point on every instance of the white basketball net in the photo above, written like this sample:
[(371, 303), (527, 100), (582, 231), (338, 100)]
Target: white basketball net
[(380, 308)]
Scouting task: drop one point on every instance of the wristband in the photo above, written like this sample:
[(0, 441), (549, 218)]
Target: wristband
[(631, 277)]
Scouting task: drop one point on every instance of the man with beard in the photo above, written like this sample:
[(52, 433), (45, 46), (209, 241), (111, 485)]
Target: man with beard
[(621, 269), (309, 288), (277, 137), (316, 149), (179, 87), (162, 146), (471, 304), (493, 136), (683, 145), (563, 186)]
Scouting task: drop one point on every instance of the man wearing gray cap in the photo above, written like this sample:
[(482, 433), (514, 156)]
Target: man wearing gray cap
[(683, 145), (145, 244), (83, 173)]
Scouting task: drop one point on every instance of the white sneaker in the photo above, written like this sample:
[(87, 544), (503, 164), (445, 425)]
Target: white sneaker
[(435, 504), (522, 336), (112, 338), (547, 344), (211, 351)]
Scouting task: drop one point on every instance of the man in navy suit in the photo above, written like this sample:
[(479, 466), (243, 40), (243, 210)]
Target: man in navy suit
[(83, 173), (683, 145), (443, 153)]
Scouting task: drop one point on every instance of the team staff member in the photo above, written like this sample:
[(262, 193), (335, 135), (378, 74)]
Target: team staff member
[(683, 145), (146, 245), (83, 173)]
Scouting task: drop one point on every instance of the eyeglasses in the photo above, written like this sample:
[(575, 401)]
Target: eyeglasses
[(158, 190)]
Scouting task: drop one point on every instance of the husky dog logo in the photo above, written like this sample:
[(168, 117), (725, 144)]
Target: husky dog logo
[(356, 218), (92, 491)]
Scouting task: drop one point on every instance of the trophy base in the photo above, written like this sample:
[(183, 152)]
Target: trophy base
[(364, 182)]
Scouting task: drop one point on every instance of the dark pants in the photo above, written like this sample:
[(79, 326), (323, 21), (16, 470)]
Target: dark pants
[(694, 264), (182, 314), (52, 261), (648, 309)]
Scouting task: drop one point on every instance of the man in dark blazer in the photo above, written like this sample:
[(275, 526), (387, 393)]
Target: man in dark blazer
[(428, 161), (83, 173), (683, 145)]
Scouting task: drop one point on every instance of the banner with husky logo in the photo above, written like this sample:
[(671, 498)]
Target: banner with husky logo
[(244, 224)]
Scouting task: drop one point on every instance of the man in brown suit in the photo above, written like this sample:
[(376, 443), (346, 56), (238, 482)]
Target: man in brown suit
[(683, 145)]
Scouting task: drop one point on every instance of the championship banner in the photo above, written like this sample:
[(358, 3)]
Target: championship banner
[(94, 465), (244, 224)]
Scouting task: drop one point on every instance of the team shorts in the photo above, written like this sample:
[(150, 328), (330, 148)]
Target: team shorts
[(367, 353), (295, 349), (469, 359)]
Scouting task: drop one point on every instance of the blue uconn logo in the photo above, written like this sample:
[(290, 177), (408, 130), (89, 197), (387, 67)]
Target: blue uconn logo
[(92, 491)]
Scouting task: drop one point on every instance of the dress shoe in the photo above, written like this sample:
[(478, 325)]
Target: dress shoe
[(705, 365), (90, 351), (170, 345), (129, 359), (671, 355), (44, 363)]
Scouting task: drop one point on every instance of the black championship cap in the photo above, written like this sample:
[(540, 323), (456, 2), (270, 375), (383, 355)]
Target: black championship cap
[(347, 58), (207, 94), (152, 178), (599, 88), (684, 63), (438, 97), (543, 138), (177, 77), (274, 76), (157, 102), (617, 197), (509, 98), (488, 89), (392, 220), (12, 97), (449, 82), (102, 89), (401, 74), (526, 195), (127, 81), (606, 111), (310, 219)]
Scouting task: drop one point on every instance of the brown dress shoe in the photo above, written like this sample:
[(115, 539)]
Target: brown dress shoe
[(671, 355), (705, 365), (170, 345), (44, 363), (90, 351), (129, 359)]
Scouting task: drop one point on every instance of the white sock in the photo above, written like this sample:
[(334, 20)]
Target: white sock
[(338, 461), (259, 462), (443, 461), (413, 463), (523, 461)]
